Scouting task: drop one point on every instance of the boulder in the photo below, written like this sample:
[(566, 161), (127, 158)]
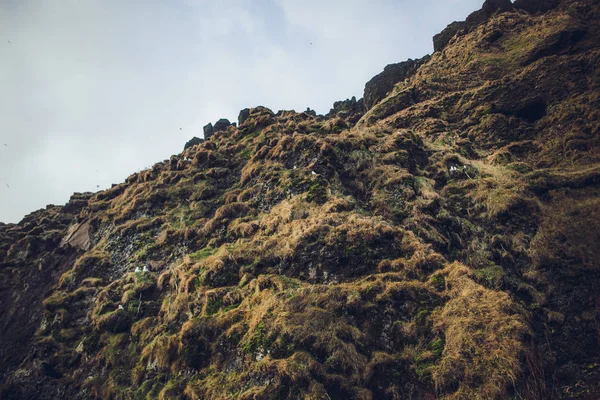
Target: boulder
[(243, 116), (380, 85), (208, 131), (78, 236), (310, 112), (222, 125), (192, 142)]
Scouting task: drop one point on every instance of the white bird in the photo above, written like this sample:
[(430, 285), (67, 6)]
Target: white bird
[(137, 269), (313, 172), (294, 167), (120, 307), (145, 269)]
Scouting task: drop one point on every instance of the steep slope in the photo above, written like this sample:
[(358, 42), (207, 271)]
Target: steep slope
[(439, 240)]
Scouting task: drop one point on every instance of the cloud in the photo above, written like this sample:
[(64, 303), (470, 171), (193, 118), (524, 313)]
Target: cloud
[(95, 90)]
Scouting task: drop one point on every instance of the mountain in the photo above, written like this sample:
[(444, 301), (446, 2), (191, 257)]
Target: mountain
[(439, 238)]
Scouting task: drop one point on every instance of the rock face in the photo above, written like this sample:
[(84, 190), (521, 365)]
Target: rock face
[(489, 8), (443, 38), (221, 125), (193, 141), (536, 6), (78, 236), (443, 246), (350, 110), (244, 114), (380, 85), (208, 131)]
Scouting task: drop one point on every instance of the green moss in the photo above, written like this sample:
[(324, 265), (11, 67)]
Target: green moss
[(213, 306), (423, 369), (437, 347), (491, 276), (231, 307), (257, 340), (421, 316), (202, 254), (141, 253), (55, 301), (438, 282), (133, 306), (149, 389), (317, 192)]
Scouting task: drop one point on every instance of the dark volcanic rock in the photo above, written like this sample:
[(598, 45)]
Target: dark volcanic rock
[(489, 8), (443, 38), (310, 112), (535, 6), (349, 109), (192, 142), (244, 114), (380, 85), (222, 124), (208, 131)]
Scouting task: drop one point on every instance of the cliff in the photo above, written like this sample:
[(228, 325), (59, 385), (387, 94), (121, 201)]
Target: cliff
[(436, 239)]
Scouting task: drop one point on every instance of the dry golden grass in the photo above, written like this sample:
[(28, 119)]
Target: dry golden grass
[(485, 334)]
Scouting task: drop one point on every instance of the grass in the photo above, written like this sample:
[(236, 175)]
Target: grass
[(396, 271)]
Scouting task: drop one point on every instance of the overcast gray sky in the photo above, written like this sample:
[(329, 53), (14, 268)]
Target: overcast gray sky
[(92, 91)]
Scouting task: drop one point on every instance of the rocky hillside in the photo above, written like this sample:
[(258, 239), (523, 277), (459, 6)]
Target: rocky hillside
[(439, 238)]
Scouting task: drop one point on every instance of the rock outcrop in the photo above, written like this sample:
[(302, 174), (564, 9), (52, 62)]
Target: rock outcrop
[(208, 131), (222, 125), (536, 6), (193, 142), (350, 110), (380, 85), (243, 116), (489, 8)]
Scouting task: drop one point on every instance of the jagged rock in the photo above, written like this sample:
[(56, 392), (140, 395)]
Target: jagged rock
[(443, 38), (380, 85), (489, 8), (536, 6), (349, 109), (244, 114), (222, 125), (310, 112), (261, 110), (208, 131), (78, 236), (77, 202), (192, 142), (393, 104), (258, 116)]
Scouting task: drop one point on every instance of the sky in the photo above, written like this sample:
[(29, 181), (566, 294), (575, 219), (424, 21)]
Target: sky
[(92, 91)]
